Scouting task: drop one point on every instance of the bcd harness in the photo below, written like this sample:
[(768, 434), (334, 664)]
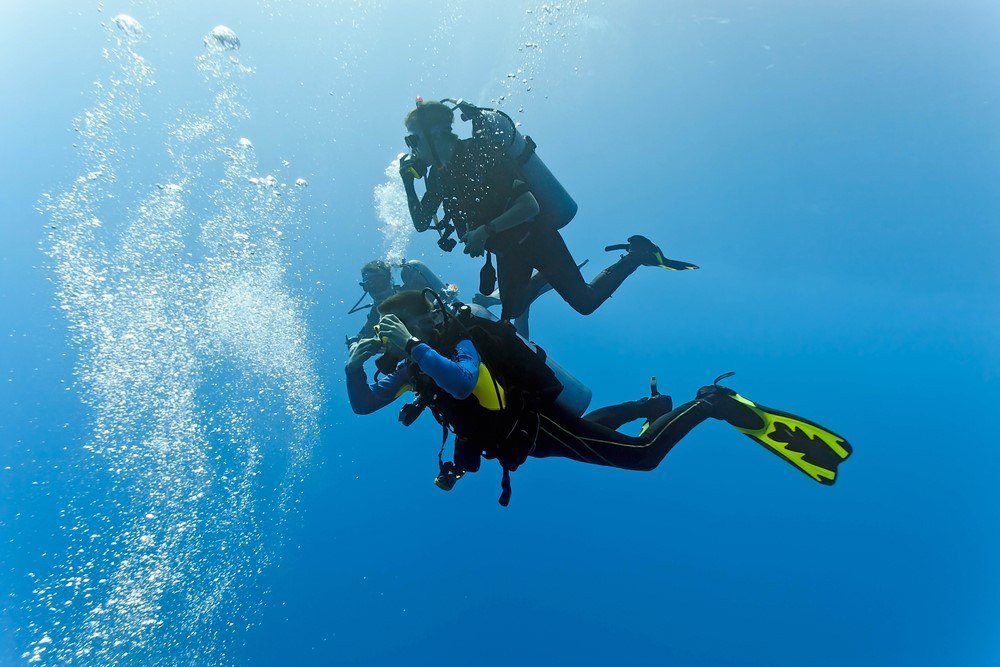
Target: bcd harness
[(447, 225), (500, 418)]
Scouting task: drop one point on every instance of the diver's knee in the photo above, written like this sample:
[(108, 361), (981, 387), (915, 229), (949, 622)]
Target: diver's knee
[(645, 465), (583, 307)]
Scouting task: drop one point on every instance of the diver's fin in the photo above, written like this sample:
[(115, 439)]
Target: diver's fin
[(677, 265), (654, 255), (813, 449)]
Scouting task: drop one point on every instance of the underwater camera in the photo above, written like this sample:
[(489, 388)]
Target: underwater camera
[(448, 476), (411, 411), (447, 243), (389, 360)]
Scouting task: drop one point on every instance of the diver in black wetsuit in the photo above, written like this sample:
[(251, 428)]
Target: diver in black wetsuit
[(497, 396), (486, 197)]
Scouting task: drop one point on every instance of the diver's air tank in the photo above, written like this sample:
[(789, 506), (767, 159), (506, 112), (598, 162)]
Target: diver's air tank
[(557, 206), (413, 272), (575, 396)]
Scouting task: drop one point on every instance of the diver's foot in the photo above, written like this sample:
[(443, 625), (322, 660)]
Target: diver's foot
[(644, 250), (725, 407), (654, 407), (486, 301)]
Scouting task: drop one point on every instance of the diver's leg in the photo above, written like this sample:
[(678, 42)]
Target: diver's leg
[(537, 286), (513, 277), (521, 324), (553, 260), (616, 416), (590, 442)]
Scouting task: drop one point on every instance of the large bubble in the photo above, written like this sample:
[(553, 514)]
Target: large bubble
[(133, 29), (222, 38)]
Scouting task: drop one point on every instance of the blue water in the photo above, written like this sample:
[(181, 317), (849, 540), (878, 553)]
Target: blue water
[(182, 482)]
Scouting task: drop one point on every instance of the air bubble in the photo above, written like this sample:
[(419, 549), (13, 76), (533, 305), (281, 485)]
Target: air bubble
[(222, 38)]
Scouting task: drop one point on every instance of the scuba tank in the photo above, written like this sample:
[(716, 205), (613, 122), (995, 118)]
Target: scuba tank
[(413, 270), (556, 204), (575, 396)]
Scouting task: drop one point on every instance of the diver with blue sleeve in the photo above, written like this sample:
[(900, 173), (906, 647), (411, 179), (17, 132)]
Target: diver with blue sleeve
[(501, 199), (498, 396)]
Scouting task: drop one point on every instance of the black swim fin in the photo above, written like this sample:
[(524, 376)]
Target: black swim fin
[(654, 254), (813, 449)]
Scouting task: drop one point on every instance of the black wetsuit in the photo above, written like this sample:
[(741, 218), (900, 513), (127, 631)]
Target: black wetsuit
[(479, 184), (593, 438), (589, 439)]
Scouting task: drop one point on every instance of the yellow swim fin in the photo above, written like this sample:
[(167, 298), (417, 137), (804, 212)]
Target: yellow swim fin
[(813, 449)]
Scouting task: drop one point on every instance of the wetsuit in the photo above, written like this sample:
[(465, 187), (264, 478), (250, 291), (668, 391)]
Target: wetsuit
[(481, 182), (590, 439), (456, 374)]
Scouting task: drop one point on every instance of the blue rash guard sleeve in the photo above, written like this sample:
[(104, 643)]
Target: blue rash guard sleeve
[(367, 398), (457, 376)]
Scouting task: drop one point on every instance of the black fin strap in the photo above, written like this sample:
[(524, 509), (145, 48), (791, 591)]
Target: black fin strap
[(504, 498), (444, 441), (529, 150)]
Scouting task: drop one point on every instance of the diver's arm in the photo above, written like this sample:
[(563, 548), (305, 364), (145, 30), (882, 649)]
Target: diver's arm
[(457, 376), (367, 398), (524, 208), (421, 210)]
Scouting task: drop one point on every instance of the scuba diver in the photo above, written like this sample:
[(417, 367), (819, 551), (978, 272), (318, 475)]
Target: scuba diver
[(502, 200), (376, 281), (502, 400)]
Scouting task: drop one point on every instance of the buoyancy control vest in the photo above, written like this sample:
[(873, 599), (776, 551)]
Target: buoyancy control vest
[(499, 420), (556, 206)]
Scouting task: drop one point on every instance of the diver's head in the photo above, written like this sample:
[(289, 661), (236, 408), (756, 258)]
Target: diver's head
[(430, 137), (413, 310), (376, 277)]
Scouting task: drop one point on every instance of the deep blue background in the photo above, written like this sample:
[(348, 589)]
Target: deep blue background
[(833, 167)]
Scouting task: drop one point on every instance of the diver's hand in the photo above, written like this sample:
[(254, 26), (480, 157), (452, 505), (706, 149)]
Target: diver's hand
[(361, 352), (475, 242), (393, 332), (411, 168)]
